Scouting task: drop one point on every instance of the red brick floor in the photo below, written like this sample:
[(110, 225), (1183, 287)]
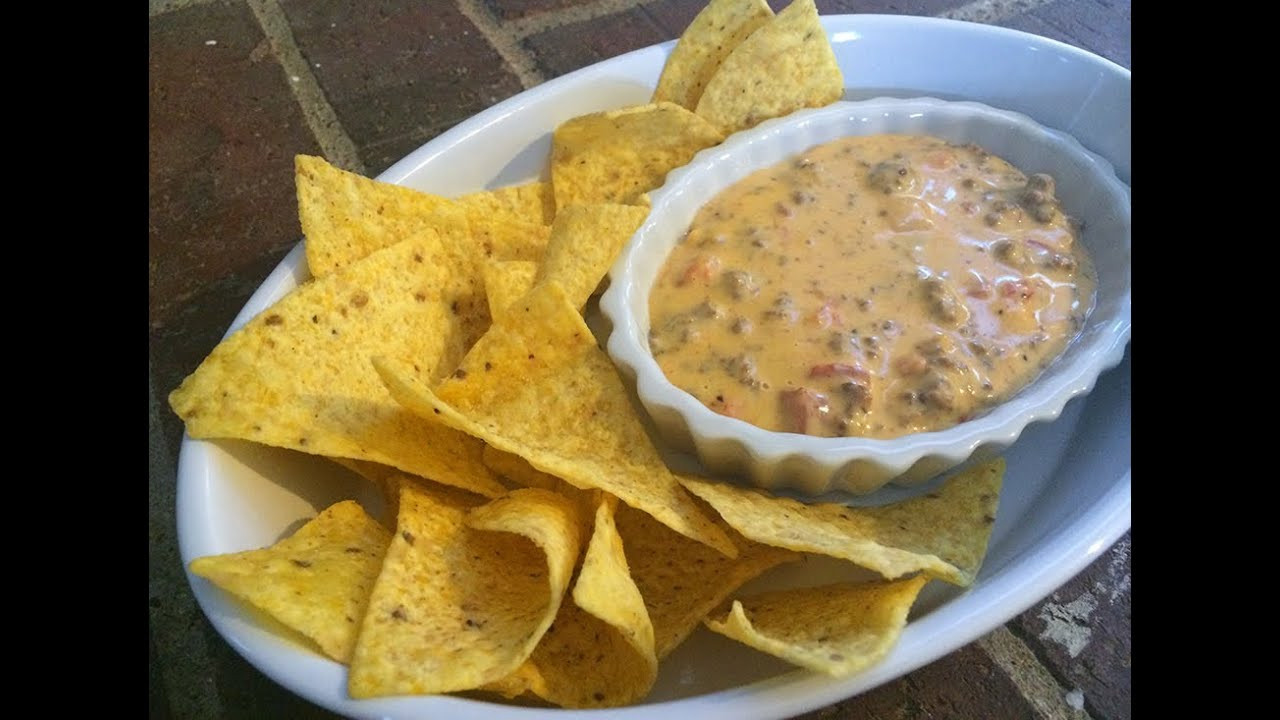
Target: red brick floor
[(226, 118)]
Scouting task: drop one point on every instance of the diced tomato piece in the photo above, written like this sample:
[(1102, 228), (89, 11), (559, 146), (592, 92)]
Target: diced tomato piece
[(703, 269), (828, 315), (939, 160), (854, 372), (803, 409), (976, 286), (1020, 289)]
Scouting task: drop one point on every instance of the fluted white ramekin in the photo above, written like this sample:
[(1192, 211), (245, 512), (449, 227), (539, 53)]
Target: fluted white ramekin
[(1085, 184)]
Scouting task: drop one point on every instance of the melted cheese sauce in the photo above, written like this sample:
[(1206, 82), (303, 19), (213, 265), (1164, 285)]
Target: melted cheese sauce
[(873, 286)]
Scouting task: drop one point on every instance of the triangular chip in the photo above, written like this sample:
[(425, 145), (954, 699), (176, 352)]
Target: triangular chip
[(346, 216), (298, 375), (464, 594), (681, 581), (785, 65), (316, 581), (943, 533), (501, 238), (585, 240), (506, 281), (599, 652), (719, 28), (838, 629), (533, 202), (619, 155), (538, 386)]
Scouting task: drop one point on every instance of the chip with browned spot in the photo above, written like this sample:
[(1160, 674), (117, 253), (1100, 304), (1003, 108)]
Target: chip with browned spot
[(839, 630), (681, 580), (585, 240), (298, 375), (619, 155), (600, 651), (316, 581), (538, 386), (943, 533), (465, 592), (506, 281), (532, 202), (718, 28), (787, 64), (346, 216)]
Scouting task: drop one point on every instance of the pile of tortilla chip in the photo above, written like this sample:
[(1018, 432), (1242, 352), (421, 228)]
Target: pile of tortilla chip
[(537, 546)]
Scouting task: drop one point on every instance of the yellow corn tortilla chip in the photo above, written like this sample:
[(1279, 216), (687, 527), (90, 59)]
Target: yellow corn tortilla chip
[(585, 240), (505, 239), (681, 581), (538, 386), (619, 155), (518, 470), (316, 581), (719, 28), (510, 223), (533, 202), (346, 216), (599, 652), (506, 281), (943, 533), (465, 593), (838, 629), (298, 375), (785, 65)]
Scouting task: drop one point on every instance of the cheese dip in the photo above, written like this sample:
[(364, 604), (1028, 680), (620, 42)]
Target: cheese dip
[(872, 286)]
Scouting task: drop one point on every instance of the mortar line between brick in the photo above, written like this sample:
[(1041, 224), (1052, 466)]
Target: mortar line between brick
[(1036, 683), (524, 27), (992, 11), (161, 7), (334, 142), (506, 43)]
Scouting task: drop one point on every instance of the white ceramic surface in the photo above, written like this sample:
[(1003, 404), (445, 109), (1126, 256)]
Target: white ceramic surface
[(1067, 494), (1089, 192)]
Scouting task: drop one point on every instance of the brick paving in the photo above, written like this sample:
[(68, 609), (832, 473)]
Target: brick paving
[(238, 87)]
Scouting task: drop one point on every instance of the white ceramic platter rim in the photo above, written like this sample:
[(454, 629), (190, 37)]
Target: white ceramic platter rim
[(1057, 553)]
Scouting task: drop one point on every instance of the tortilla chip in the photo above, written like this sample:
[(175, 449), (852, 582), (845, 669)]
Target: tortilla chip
[(298, 375), (317, 581), (839, 629), (785, 65), (506, 281), (518, 470), (619, 155), (681, 581), (533, 202), (538, 386), (943, 533), (585, 240), (719, 28), (599, 652), (464, 594), (510, 223), (505, 239), (346, 216)]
